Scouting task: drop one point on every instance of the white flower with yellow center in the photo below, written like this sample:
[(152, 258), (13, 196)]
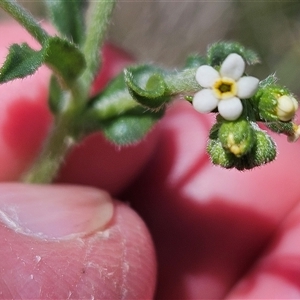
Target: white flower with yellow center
[(223, 89)]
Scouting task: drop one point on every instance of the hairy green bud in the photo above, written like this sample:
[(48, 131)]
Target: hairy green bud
[(276, 103), (264, 150), (218, 155), (237, 137)]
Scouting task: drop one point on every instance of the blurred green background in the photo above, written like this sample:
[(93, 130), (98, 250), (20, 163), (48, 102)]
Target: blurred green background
[(165, 32)]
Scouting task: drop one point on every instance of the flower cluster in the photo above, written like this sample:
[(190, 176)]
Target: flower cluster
[(236, 141)]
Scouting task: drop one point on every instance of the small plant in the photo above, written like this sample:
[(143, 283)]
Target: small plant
[(137, 98)]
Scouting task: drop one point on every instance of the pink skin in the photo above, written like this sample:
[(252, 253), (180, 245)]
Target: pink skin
[(64, 242), (217, 233)]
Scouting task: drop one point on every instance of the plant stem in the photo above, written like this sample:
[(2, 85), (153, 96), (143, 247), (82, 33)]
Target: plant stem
[(62, 137), (182, 82), (58, 144), (98, 17), (25, 19)]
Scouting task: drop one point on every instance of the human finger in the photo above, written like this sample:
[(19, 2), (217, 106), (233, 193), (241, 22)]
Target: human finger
[(72, 242)]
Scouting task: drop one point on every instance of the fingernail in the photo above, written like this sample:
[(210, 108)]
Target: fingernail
[(54, 211)]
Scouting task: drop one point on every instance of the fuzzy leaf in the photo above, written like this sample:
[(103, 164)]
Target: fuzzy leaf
[(20, 62), (62, 56), (147, 86), (65, 58), (113, 101), (68, 17), (132, 126), (217, 53), (121, 118)]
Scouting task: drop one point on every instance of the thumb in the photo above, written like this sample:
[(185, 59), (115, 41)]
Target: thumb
[(72, 242)]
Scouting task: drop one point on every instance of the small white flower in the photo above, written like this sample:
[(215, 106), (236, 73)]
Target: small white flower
[(223, 89)]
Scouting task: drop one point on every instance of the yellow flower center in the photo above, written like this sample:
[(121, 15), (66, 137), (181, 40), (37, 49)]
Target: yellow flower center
[(224, 88)]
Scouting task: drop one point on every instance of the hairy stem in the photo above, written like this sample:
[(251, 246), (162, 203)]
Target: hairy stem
[(57, 146), (62, 137), (23, 17), (99, 14), (182, 82)]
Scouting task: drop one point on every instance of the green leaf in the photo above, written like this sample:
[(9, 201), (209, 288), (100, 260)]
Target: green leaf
[(64, 58), (110, 103), (147, 86), (132, 126), (121, 118), (217, 53), (60, 55), (20, 62), (68, 17)]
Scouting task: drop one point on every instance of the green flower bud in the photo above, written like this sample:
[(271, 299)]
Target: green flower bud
[(261, 151), (218, 155), (237, 137), (264, 150), (276, 103)]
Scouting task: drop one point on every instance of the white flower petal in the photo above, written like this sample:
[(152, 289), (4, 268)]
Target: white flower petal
[(205, 101), (230, 109), (233, 66), (246, 87), (206, 76)]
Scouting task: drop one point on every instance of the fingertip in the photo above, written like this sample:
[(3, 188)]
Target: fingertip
[(111, 263), (139, 261)]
